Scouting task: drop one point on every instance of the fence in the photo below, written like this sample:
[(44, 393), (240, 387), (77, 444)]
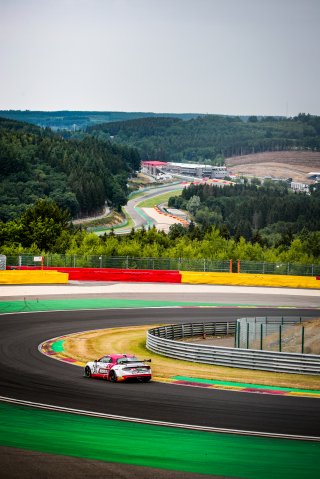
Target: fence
[(279, 268), (125, 262), (164, 341), (3, 262), (178, 264), (278, 334)]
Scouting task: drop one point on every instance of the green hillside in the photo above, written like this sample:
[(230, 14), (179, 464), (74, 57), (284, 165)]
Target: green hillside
[(253, 211), (78, 175), (212, 137)]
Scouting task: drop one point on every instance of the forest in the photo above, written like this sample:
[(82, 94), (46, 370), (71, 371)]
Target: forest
[(212, 137), (80, 176), (271, 214), (45, 228)]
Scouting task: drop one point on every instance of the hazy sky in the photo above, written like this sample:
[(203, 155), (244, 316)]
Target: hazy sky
[(205, 56)]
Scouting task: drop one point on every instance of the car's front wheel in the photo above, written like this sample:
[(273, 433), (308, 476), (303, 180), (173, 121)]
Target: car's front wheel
[(113, 377), (87, 372)]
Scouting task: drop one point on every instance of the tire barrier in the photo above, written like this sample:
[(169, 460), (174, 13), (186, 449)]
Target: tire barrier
[(33, 277), (164, 340)]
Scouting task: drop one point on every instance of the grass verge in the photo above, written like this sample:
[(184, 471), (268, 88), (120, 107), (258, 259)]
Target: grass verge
[(150, 203), (93, 344)]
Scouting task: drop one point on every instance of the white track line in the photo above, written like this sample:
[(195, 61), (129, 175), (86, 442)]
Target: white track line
[(156, 423)]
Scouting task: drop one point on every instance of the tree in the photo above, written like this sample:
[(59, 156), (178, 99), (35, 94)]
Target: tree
[(176, 231), (193, 204), (42, 224)]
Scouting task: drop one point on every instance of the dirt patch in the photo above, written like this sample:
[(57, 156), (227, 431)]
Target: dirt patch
[(278, 164)]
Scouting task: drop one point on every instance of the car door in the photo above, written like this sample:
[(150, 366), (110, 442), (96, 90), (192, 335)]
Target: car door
[(103, 365)]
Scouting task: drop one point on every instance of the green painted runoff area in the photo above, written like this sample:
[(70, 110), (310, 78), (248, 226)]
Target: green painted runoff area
[(157, 446), (57, 346), (95, 303), (244, 385)]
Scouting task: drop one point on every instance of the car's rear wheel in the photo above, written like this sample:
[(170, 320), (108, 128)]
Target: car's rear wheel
[(87, 372), (113, 377), (145, 380)]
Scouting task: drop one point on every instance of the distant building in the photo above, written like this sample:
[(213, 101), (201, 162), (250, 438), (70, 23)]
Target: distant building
[(197, 170), (301, 187), (153, 167)]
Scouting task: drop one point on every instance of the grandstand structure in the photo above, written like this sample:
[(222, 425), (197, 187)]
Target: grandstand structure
[(197, 170)]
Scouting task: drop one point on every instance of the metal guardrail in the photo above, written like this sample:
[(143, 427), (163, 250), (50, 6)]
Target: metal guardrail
[(164, 340)]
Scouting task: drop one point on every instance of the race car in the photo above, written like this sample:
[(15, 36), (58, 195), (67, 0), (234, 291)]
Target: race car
[(119, 367)]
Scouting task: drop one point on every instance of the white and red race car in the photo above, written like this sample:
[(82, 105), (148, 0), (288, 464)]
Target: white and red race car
[(119, 367)]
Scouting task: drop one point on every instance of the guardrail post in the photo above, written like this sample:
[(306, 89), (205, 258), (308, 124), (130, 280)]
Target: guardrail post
[(261, 336), (280, 337), (239, 266), (230, 266), (239, 327), (248, 325), (302, 340)]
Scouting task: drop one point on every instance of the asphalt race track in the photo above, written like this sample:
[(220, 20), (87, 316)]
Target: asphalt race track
[(28, 375)]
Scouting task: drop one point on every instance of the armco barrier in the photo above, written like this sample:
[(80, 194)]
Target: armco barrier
[(33, 277), (162, 340), (243, 279), (125, 275)]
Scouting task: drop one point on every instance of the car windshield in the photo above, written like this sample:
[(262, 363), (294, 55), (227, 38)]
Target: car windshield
[(127, 360)]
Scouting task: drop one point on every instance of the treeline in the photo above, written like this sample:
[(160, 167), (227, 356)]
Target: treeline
[(79, 120), (44, 228), (270, 214), (212, 137), (81, 176)]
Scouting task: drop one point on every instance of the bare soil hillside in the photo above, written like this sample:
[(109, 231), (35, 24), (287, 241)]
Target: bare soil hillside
[(277, 164)]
